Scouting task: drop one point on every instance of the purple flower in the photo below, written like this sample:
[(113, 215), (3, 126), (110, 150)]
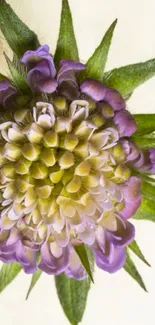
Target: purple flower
[(54, 258), (100, 93), (41, 69), (7, 92), (125, 123), (132, 197), (141, 160), (109, 257), (66, 172), (42, 72)]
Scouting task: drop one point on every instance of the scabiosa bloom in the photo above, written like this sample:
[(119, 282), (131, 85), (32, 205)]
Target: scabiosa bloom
[(65, 176)]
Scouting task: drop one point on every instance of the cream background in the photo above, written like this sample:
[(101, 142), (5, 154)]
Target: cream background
[(114, 299)]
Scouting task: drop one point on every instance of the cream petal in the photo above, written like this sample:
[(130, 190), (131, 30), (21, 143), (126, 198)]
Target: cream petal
[(74, 185), (15, 134), (67, 160), (62, 238), (55, 250), (68, 210)]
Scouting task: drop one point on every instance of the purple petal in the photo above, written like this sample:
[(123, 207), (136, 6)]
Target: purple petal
[(99, 92), (131, 208), (125, 123), (40, 78), (51, 264), (27, 257), (132, 197), (132, 189), (94, 89), (67, 78), (32, 58), (118, 259), (75, 269), (131, 150), (8, 258), (152, 161), (41, 69), (124, 234), (6, 92), (67, 67), (7, 253), (114, 99), (152, 156)]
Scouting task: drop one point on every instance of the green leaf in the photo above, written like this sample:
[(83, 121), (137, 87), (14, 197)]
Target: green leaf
[(18, 74), (131, 269), (8, 273), (148, 190), (85, 259), (18, 35), (34, 280), (136, 249), (73, 296), (97, 62), (126, 79), (145, 123), (145, 142), (66, 46), (146, 211)]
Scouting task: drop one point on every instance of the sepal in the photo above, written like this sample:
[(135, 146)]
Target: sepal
[(131, 269), (126, 79), (19, 37), (66, 46), (8, 273)]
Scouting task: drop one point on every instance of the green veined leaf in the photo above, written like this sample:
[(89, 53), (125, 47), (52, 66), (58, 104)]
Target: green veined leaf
[(18, 74), (97, 62), (8, 273), (84, 258), (34, 280), (136, 249), (66, 46), (145, 123), (18, 35), (148, 190), (146, 211), (145, 142), (73, 296), (131, 269), (126, 79)]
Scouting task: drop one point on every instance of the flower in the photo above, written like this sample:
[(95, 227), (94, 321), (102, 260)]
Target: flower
[(65, 176), (41, 72)]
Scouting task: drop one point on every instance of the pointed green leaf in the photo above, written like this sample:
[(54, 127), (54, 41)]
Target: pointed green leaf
[(146, 211), (131, 269), (126, 79), (84, 258), (145, 123), (34, 280), (136, 249), (66, 46), (96, 64), (8, 273), (18, 35), (73, 296), (18, 74)]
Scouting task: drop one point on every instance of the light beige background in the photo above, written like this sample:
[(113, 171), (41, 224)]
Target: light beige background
[(114, 299)]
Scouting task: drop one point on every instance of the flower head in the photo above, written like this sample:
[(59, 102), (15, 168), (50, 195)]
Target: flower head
[(65, 176)]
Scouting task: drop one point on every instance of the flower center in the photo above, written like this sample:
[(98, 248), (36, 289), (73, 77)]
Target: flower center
[(60, 169)]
